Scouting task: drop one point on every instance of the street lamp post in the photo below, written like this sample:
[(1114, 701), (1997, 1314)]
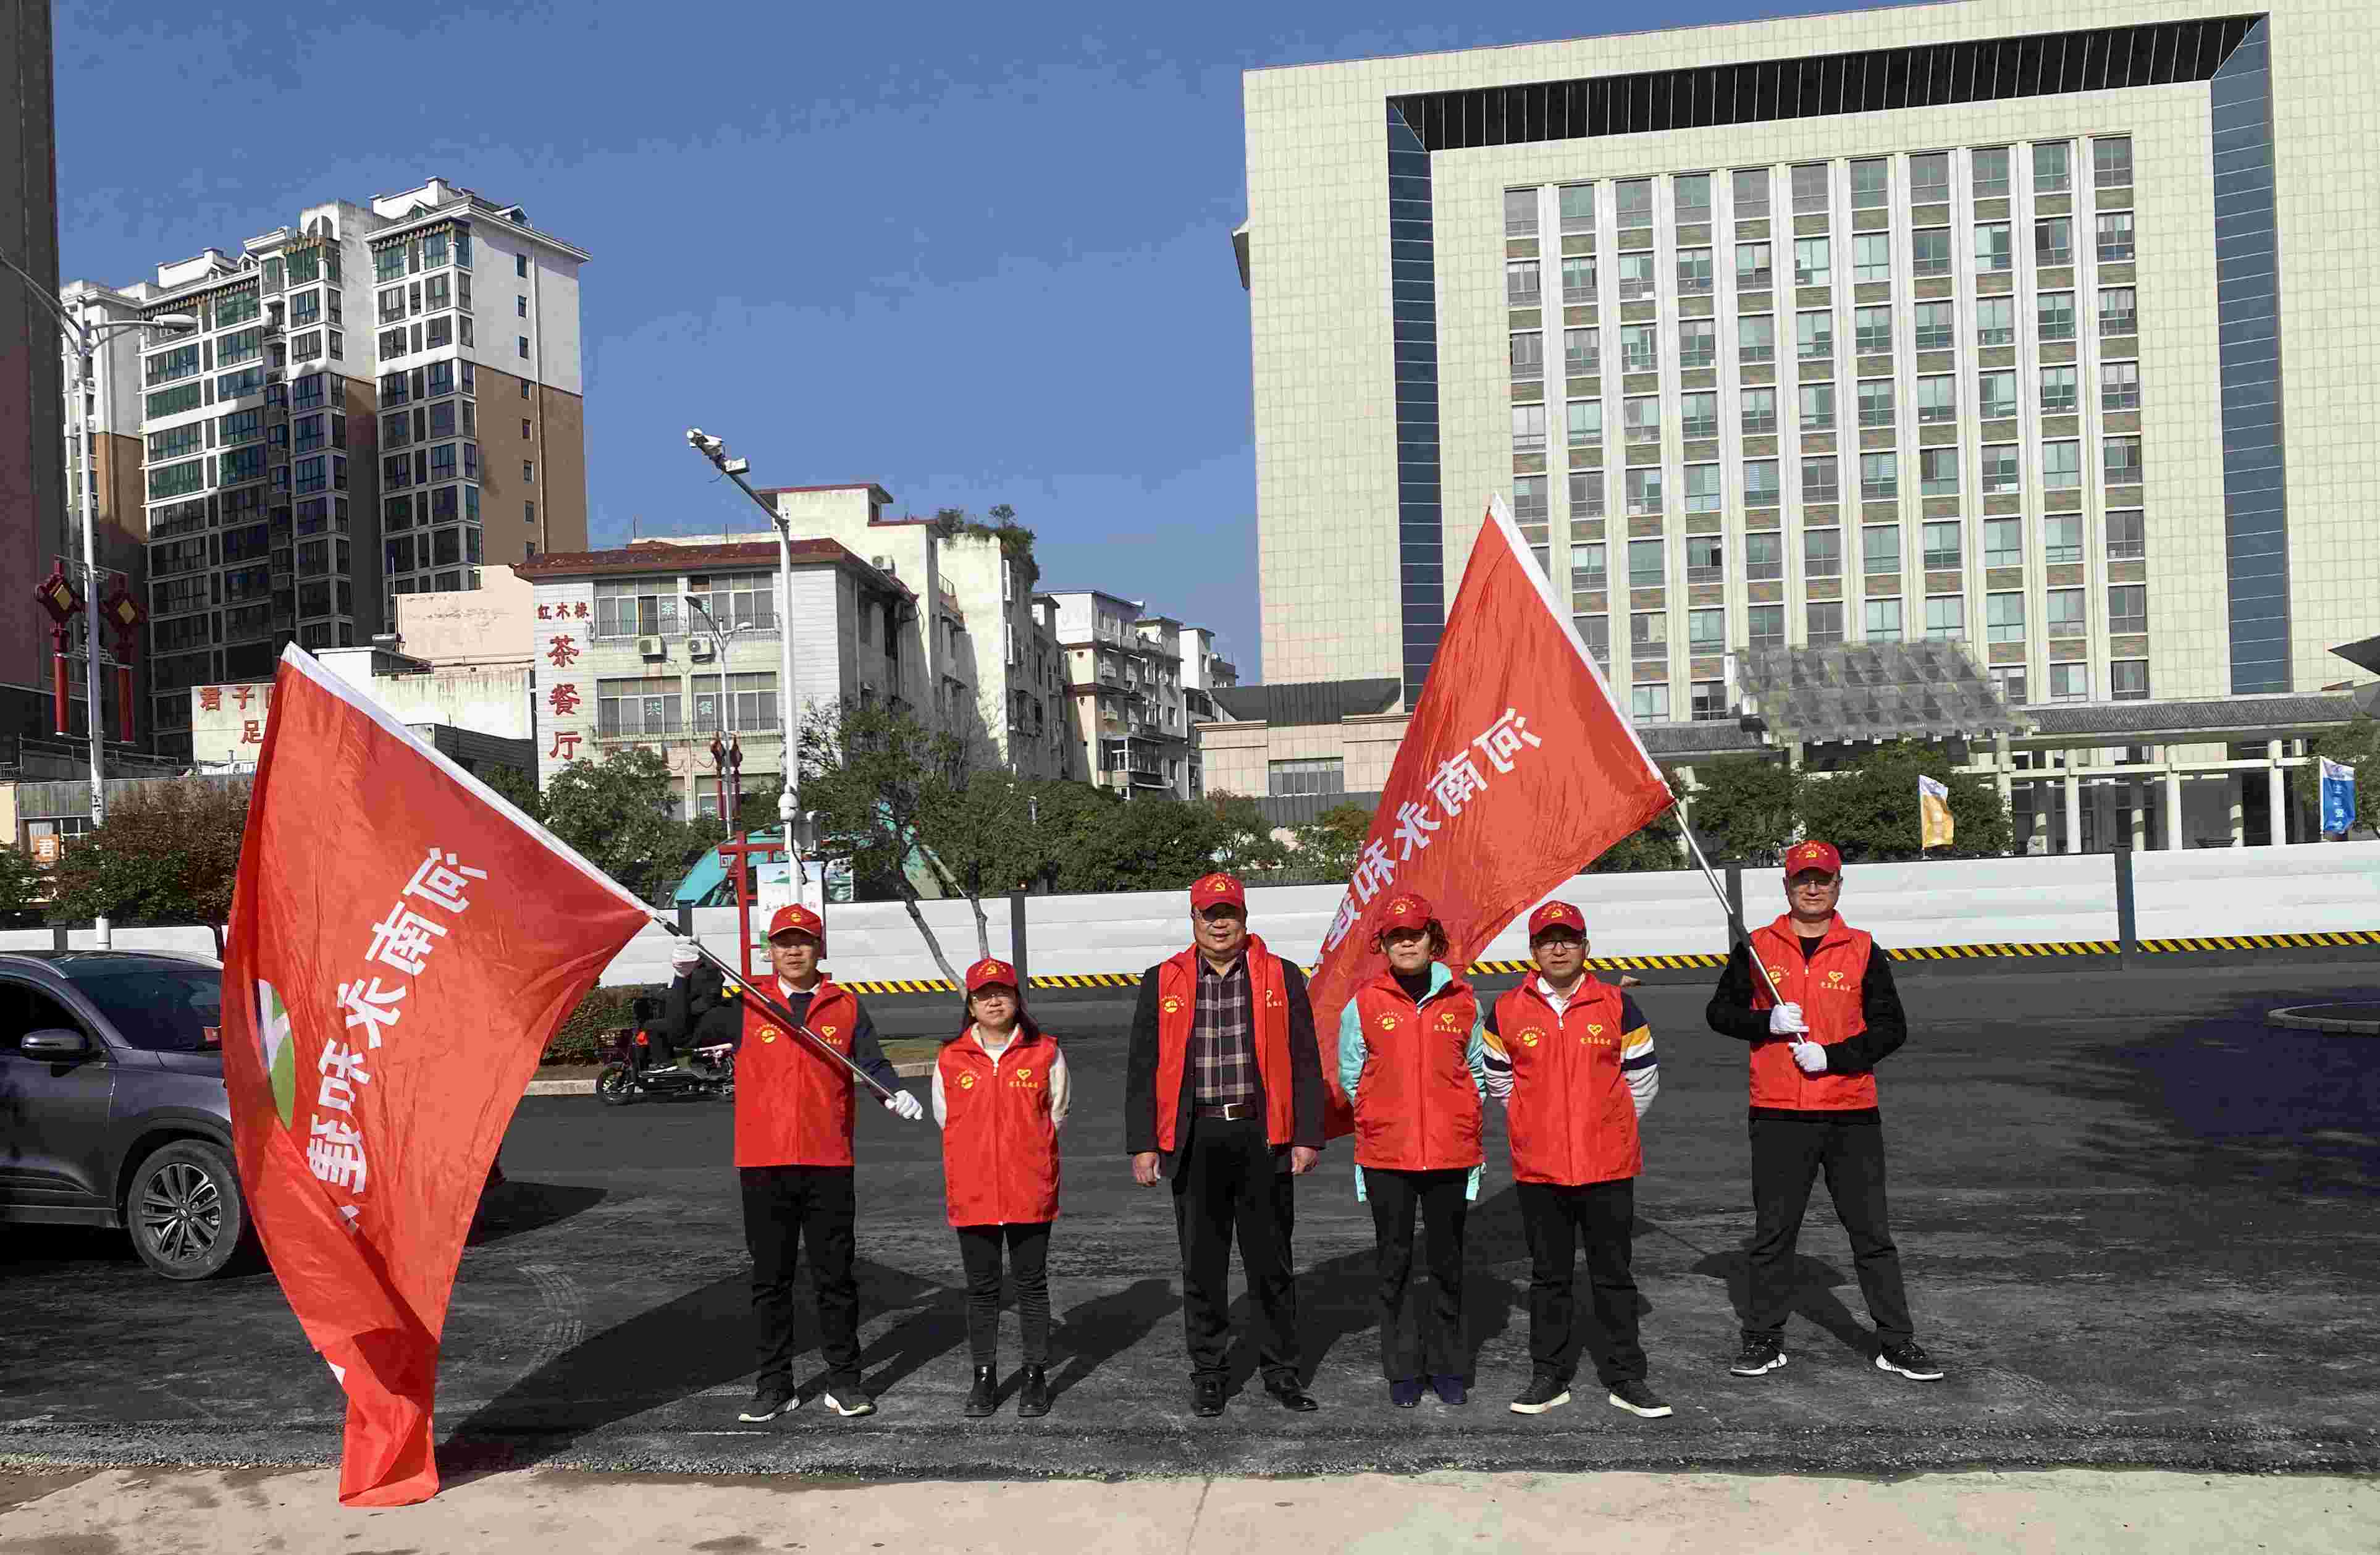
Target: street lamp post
[(86, 336)]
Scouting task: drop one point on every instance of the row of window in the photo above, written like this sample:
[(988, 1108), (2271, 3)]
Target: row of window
[(658, 704), (1941, 550), (1645, 487), (455, 545), (1812, 185), (440, 505), (430, 250), (1889, 620), (649, 607), (2128, 680)]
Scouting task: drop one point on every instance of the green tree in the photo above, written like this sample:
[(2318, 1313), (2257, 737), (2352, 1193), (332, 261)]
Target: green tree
[(1247, 845), (1142, 844), (1327, 845), (986, 837), (21, 882), (621, 812), (2357, 746), (1869, 808), (1745, 806), (168, 854), (1652, 847), (516, 786)]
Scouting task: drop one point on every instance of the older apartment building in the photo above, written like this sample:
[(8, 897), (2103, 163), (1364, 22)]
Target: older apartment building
[(1140, 685)]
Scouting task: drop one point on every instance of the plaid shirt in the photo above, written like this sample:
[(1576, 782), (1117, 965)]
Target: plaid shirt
[(1223, 1038)]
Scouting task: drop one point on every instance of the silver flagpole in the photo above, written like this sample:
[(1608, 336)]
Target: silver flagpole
[(744, 982), (1727, 908)]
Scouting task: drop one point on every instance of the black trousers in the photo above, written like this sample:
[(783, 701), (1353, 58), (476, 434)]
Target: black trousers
[(784, 1206), (1029, 1251), (1787, 1155), (1561, 1221), (1414, 1344), (1228, 1181)]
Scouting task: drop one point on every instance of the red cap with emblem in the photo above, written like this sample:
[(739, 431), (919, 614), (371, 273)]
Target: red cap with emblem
[(1813, 855), (985, 974), (1556, 914), (796, 917), (1218, 890), (1406, 910)]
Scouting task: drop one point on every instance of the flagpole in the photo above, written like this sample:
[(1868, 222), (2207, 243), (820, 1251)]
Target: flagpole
[(771, 1006), (1727, 907)]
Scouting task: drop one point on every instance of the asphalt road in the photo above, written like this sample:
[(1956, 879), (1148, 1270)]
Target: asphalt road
[(2139, 1226)]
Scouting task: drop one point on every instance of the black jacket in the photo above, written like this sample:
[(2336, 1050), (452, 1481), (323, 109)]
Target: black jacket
[(691, 996), (1731, 1014), (1307, 1097)]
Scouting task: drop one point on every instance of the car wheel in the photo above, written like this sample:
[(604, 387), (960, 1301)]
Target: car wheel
[(614, 1086), (185, 1211)]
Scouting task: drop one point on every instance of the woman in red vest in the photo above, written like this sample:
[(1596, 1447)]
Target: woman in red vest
[(1409, 1059), (1000, 1094)]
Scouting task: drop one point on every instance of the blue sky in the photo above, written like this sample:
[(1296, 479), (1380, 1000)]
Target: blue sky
[(978, 255)]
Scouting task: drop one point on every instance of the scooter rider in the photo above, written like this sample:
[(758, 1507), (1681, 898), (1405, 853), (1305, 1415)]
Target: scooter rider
[(697, 989)]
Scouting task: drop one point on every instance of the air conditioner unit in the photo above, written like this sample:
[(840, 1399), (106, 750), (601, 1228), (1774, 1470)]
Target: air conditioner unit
[(652, 647), (883, 565), (701, 648)]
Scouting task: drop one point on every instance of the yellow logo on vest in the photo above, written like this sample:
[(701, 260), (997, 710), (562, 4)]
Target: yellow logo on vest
[(1272, 998), (769, 1034), (1777, 975), (1530, 1037), (1835, 978), (1024, 1074), (1388, 1023), (828, 1032), (1173, 1005), (966, 1082)]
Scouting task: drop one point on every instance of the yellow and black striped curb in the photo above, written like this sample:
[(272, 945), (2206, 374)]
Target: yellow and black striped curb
[(1704, 961)]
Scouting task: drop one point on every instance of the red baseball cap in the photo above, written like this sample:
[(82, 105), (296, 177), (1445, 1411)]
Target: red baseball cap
[(797, 917), (1812, 855), (1405, 910), (1218, 890), (985, 974), (1556, 914)]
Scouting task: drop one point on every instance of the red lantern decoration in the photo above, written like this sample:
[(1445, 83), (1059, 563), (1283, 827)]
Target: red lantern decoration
[(124, 616), (57, 596)]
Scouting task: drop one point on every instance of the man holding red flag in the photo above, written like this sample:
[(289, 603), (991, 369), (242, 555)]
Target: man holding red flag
[(403, 941), (794, 1112), (1223, 1094)]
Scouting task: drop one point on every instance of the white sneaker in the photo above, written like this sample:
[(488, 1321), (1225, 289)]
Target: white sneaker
[(857, 1403)]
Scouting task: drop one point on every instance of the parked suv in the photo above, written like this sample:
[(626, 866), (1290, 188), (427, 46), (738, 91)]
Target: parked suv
[(112, 1104)]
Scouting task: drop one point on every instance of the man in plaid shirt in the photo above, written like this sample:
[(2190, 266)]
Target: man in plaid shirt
[(1224, 1097)]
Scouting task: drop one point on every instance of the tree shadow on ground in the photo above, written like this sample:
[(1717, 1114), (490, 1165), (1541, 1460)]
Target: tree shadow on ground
[(513, 1208), (696, 1341)]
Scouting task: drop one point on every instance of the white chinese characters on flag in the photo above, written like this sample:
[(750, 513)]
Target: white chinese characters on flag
[(403, 942), (1517, 772)]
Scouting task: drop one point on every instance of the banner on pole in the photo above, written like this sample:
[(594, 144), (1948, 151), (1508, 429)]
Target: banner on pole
[(2338, 798), (403, 942), (1516, 771), (1935, 828)]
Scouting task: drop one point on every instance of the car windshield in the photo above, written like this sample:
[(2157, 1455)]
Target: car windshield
[(161, 1006)]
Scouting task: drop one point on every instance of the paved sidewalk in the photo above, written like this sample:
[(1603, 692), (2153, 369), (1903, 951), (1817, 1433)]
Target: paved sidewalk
[(119, 1511)]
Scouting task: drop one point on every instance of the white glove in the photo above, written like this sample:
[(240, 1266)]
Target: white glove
[(1811, 1057), (902, 1103), (1785, 1020), (684, 957)]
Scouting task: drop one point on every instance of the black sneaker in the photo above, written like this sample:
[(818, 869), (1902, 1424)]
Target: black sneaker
[(1760, 1354), (1545, 1391), (848, 1404), (1910, 1359), (1636, 1397), (772, 1399)]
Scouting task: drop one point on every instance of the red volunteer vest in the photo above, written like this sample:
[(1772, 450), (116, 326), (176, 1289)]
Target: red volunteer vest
[(793, 1104), (1000, 1150), (1571, 1115), (1416, 1108), (1177, 999), (1826, 986)]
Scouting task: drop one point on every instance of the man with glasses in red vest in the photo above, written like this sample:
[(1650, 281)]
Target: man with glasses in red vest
[(1224, 1095), (1833, 1016)]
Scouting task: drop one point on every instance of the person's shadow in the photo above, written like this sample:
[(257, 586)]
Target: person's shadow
[(1099, 1330), (513, 1207), (1814, 1283)]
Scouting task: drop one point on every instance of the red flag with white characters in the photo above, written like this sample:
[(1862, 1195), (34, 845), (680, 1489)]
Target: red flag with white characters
[(403, 942), (1517, 771)]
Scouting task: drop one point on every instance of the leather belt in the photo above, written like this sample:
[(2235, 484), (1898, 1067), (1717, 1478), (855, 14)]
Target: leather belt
[(1234, 1112)]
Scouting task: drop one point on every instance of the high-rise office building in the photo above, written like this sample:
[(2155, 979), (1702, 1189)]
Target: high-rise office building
[(2014, 322), (32, 506), (378, 400)]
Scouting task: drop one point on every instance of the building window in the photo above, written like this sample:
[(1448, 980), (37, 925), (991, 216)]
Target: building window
[(312, 475), (1521, 286), (1643, 493), (1935, 324), (1529, 498), (1648, 629), (1581, 353), (1875, 402), (1636, 275), (1707, 631), (1644, 569), (1528, 356), (1312, 776), (2127, 607), (1810, 188), (1997, 394), (1871, 331), (1759, 412), (1697, 343), (2052, 172), (1929, 249), (2066, 616), (2057, 315), (1632, 199), (2128, 680), (2120, 459), (2004, 617), (2070, 683), (1594, 635), (1751, 189), (1529, 429), (1586, 493), (1764, 556), (1584, 419), (521, 345), (2058, 396), (1880, 551), (2127, 535), (1764, 625), (1640, 348), (1760, 486), (1826, 622), (2111, 161), (1990, 168), (1820, 479), (1694, 272), (1811, 263), (2114, 236), (1929, 177), (2119, 310), (1994, 252), (2062, 466), (1694, 197), (1706, 559), (1698, 412), (636, 607), (1822, 553), (638, 707), (1945, 618), (1872, 256), (1937, 399), (1756, 339), (1701, 489), (1649, 703), (1942, 553), (1578, 278), (1577, 207), (1753, 272), (529, 513), (2061, 539), (1882, 620), (2003, 475), (1817, 407), (1816, 332), (1588, 570), (2053, 241), (2010, 684), (1642, 418), (2119, 386), (1870, 184)]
